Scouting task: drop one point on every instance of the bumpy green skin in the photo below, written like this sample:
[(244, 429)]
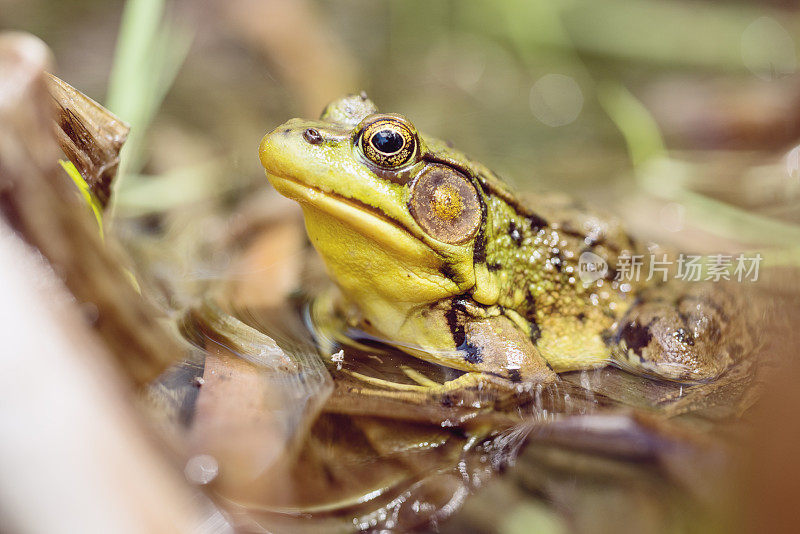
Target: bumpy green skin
[(506, 305)]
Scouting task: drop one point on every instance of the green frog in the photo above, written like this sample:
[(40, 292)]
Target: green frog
[(432, 253)]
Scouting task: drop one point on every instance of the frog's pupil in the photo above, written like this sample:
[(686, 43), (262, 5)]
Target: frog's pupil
[(387, 141)]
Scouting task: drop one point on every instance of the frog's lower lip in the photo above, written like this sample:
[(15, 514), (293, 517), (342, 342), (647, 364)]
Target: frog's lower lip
[(360, 216)]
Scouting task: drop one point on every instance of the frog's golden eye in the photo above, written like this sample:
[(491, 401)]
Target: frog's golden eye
[(445, 204), (388, 141)]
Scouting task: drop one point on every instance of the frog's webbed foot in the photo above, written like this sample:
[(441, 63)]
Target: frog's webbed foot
[(501, 364), (472, 390), (686, 333)]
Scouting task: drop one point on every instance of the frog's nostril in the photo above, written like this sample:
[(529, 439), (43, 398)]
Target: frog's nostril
[(313, 136), (269, 148)]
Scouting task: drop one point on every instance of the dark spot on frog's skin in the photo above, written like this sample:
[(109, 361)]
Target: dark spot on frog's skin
[(536, 222), (479, 254), (514, 376), (536, 332), (493, 266), (530, 312), (581, 317), (514, 233), (472, 354), (683, 336), (558, 261), (313, 136), (479, 249), (447, 400), (636, 336), (455, 321), (447, 271), (530, 298)]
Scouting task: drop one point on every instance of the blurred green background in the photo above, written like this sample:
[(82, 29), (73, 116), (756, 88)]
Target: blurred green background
[(676, 114)]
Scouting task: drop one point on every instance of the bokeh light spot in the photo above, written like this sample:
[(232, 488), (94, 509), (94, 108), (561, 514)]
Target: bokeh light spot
[(556, 99), (768, 50)]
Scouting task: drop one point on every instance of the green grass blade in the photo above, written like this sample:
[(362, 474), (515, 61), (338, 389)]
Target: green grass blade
[(86, 192), (149, 55)]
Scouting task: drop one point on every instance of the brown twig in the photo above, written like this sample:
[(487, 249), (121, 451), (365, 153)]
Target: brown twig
[(40, 203)]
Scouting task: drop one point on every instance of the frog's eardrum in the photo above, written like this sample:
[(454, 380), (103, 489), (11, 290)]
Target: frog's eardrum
[(445, 204)]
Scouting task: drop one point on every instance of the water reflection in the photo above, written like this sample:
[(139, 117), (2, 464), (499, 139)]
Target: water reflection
[(296, 442)]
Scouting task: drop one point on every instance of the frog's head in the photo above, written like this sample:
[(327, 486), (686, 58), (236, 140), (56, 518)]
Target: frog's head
[(397, 217)]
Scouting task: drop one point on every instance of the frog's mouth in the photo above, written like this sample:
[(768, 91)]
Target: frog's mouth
[(363, 218)]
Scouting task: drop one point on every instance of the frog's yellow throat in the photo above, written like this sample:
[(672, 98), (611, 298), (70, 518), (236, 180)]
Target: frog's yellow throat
[(378, 266), (362, 219)]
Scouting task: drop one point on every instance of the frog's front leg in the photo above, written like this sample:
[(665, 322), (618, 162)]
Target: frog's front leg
[(500, 362), (499, 356), (689, 332)]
